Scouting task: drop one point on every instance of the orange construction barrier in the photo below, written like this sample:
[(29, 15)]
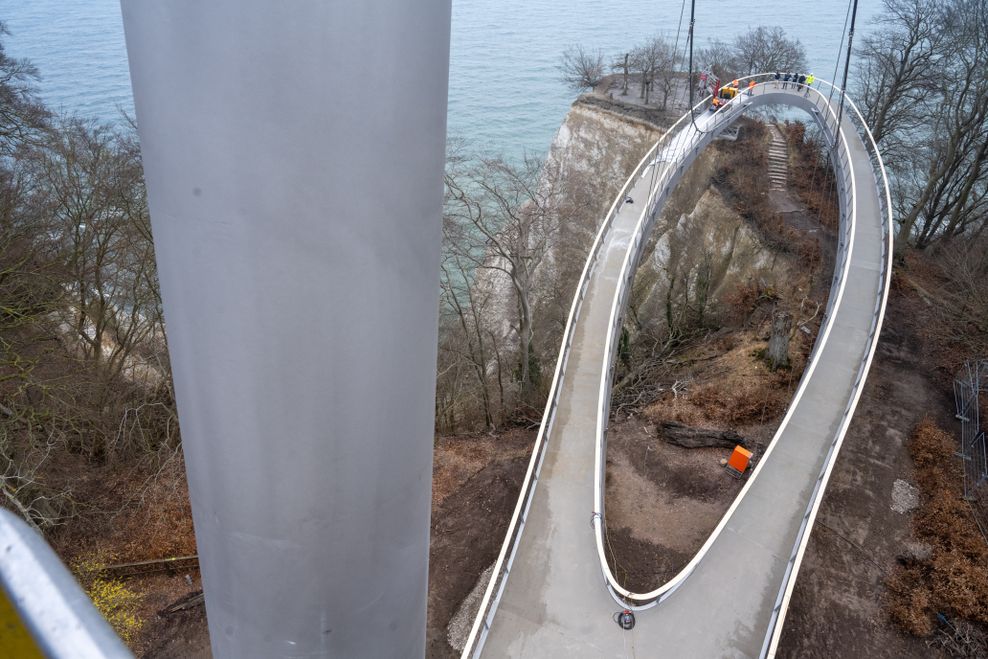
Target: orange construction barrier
[(739, 460)]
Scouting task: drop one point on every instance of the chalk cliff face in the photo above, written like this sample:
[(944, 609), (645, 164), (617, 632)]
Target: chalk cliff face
[(595, 150), (700, 251), (700, 248), (601, 143)]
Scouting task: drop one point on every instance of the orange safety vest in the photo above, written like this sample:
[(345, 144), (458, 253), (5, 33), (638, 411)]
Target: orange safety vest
[(751, 84)]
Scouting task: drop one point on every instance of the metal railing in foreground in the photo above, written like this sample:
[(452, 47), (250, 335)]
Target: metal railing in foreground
[(45, 600)]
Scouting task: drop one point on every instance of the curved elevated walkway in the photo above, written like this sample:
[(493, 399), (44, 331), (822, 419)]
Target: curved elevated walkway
[(550, 595)]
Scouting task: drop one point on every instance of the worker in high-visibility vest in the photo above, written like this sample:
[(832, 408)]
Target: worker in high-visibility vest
[(751, 87), (809, 83)]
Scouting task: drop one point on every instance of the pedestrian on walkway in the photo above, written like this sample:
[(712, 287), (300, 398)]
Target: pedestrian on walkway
[(802, 81), (809, 83), (778, 76), (751, 87), (785, 81)]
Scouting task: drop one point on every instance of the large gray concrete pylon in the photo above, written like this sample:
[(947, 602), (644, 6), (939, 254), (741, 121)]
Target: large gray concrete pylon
[(294, 156)]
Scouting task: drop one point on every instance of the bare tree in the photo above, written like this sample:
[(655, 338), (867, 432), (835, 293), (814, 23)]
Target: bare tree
[(924, 83), (766, 49), (506, 222), (79, 306), (466, 303), (581, 68), (22, 115), (655, 63), (645, 61), (717, 57), (898, 69), (624, 66), (90, 189)]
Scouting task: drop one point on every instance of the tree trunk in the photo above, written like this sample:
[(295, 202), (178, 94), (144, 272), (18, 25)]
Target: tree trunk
[(624, 89), (688, 437), (778, 343), (522, 284)]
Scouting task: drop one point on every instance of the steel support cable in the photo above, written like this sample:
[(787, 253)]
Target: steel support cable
[(840, 50), (679, 30), (852, 7), (847, 65), (653, 175), (690, 74), (654, 163), (689, 81), (681, 95), (827, 174)]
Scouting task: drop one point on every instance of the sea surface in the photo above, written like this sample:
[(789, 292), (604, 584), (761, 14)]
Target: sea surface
[(505, 95)]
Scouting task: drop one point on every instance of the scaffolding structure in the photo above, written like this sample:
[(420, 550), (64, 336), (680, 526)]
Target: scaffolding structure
[(971, 382)]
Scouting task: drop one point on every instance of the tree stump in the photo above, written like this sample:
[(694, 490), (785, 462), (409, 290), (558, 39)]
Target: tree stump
[(778, 342), (687, 437)]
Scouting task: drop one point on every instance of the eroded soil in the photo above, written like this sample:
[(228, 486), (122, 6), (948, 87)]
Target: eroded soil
[(476, 481)]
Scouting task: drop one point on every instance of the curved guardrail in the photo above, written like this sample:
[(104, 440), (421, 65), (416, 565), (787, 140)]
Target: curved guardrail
[(623, 596), (502, 566), (677, 148), (774, 635)]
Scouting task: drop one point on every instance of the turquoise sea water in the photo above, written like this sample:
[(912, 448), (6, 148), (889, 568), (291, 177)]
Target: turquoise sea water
[(504, 94)]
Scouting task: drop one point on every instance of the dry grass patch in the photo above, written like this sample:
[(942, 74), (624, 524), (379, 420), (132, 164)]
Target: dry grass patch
[(736, 389), (954, 578)]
